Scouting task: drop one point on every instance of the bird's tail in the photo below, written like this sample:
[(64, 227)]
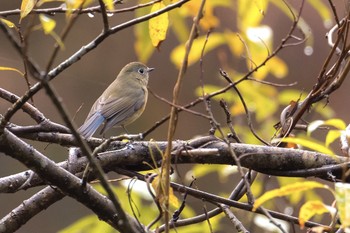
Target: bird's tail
[(91, 125)]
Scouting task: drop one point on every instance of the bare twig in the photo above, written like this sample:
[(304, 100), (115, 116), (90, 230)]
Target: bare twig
[(217, 199), (173, 116), (91, 10)]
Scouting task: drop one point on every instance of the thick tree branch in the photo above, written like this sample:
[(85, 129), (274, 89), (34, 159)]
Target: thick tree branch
[(265, 159), (29, 208), (64, 180)]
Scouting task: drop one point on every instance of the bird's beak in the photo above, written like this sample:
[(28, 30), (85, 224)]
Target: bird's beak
[(149, 69)]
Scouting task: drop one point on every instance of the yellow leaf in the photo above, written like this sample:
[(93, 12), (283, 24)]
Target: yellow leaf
[(323, 10), (109, 4), (200, 170), (250, 13), (158, 26), (88, 223), (177, 55), (41, 2), (160, 193), (309, 144), (209, 20), (11, 69), (277, 67), (313, 126), (287, 190), (311, 208), (76, 4), (208, 88), (47, 23), (173, 199), (180, 28), (235, 44), (332, 135), (324, 111), (143, 46), (8, 23), (284, 97), (337, 123), (260, 44), (26, 7), (342, 195), (302, 25), (258, 99), (57, 39)]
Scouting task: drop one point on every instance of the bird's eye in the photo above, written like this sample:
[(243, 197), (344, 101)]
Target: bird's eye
[(141, 71)]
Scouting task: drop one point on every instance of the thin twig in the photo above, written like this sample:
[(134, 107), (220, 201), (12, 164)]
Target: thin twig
[(250, 122), (173, 116), (94, 9), (218, 199), (73, 18), (104, 16)]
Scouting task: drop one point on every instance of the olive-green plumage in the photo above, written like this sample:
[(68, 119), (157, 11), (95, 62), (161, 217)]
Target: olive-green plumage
[(122, 102)]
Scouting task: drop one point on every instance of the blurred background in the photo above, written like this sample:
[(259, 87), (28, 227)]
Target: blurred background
[(83, 82)]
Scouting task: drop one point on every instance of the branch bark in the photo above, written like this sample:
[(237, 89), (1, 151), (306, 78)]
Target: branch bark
[(204, 150), (66, 182)]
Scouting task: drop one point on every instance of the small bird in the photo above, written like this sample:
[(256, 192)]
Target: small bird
[(121, 103)]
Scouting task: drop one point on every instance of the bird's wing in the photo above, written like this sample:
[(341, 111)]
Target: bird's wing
[(118, 110), (91, 124)]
